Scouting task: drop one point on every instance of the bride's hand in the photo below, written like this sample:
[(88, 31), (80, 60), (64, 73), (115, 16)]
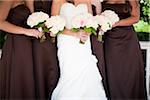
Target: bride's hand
[(83, 35)]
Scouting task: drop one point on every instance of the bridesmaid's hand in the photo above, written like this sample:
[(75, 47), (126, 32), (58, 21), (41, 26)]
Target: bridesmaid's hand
[(116, 24), (34, 33), (52, 34)]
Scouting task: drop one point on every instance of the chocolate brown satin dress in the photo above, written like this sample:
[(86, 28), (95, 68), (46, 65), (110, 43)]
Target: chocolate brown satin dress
[(98, 51), (123, 58), (45, 58), (16, 65), (28, 68)]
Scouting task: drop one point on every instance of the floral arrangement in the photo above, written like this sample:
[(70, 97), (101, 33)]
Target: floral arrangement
[(111, 15), (36, 19), (105, 22), (85, 22), (55, 24), (41, 21)]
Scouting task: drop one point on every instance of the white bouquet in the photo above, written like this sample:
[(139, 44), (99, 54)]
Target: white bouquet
[(41, 21), (37, 20), (105, 22), (111, 15), (55, 24), (84, 21)]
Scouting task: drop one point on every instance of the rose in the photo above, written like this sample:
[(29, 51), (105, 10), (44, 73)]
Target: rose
[(111, 15), (80, 20), (55, 24), (103, 22), (36, 18), (85, 22)]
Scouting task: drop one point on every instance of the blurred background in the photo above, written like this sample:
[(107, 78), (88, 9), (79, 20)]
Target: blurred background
[(143, 32)]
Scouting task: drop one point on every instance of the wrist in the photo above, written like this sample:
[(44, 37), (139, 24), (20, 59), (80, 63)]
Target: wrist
[(24, 31), (116, 24)]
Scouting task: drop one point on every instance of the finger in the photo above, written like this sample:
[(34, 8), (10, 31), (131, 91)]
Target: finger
[(35, 36)]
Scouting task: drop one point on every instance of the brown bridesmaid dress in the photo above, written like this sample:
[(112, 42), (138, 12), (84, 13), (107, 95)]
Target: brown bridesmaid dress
[(45, 58), (28, 68), (123, 58), (98, 51), (16, 65)]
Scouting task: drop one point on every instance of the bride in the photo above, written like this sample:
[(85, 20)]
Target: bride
[(79, 75)]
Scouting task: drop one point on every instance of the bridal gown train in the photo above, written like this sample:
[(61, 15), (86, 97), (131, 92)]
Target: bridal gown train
[(79, 75)]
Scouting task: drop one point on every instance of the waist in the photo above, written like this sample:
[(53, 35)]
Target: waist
[(123, 27)]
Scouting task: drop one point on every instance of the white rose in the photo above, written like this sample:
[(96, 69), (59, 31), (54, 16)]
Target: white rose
[(36, 18), (92, 23), (55, 21), (80, 20), (111, 15), (105, 27), (54, 30)]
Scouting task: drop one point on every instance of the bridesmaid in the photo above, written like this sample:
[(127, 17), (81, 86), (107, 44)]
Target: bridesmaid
[(16, 63), (123, 56), (97, 46), (45, 57)]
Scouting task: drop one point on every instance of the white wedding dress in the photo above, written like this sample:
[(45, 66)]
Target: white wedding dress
[(79, 75)]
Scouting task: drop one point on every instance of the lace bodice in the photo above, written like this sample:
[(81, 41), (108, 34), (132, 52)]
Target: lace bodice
[(68, 11)]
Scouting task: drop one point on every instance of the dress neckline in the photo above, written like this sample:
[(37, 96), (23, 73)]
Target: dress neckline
[(17, 6), (74, 4)]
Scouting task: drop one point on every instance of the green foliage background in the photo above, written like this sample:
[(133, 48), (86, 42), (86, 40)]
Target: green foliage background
[(142, 27)]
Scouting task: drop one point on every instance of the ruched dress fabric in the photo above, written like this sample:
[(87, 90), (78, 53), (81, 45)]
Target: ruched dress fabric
[(124, 63), (28, 69), (16, 64), (80, 78), (45, 58)]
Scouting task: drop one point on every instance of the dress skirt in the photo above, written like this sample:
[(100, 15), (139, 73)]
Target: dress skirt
[(80, 78)]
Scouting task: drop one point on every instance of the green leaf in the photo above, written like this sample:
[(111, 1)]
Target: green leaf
[(88, 30), (75, 29), (45, 30), (39, 25)]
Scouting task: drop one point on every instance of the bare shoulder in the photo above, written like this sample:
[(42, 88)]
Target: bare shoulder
[(58, 1), (6, 3), (134, 2)]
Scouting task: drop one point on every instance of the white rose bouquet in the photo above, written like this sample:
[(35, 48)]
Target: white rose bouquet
[(41, 21), (84, 22), (37, 20), (111, 15), (55, 25), (105, 22)]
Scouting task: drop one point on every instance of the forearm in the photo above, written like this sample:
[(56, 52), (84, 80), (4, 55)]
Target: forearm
[(8, 27), (127, 22), (98, 6), (135, 15)]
